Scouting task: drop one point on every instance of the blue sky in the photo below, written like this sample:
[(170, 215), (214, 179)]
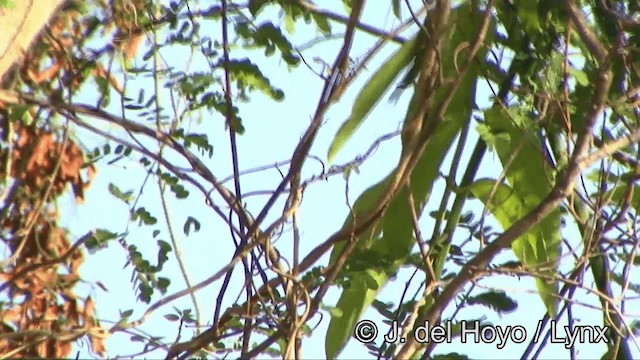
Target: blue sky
[(273, 130)]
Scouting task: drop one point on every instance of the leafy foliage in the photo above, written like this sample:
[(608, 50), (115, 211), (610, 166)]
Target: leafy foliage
[(371, 93), (143, 92)]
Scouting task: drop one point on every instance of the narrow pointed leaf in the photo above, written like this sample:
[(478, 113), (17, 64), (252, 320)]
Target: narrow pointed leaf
[(397, 226), (352, 300), (371, 93)]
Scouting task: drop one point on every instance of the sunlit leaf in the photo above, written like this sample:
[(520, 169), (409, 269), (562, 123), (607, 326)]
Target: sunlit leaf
[(255, 6), (396, 9), (352, 301), (248, 74), (144, 216), (540, 245), (100, 239), (323, 23), (119, 194), (371, 93), (397, 237)]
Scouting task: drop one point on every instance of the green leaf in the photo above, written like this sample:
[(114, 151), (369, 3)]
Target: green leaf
[(164, 246), (164, 249), (114, 190), (7, 4), (179, 191), (168, 177), (496, 300), (270, 37), (371, 93), (539, 246), (531, 177), (580, 76), (201, 141), (99, 240), (384, 309), (528, 13), (450, 356), (396, 9), (289, 24), (467, 22), (358, 296), (146, 292), (163, 284), (322, 22), (341, 327), (397, 239), (104, 90), (247, 74), (187, 225), (192, 85)]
